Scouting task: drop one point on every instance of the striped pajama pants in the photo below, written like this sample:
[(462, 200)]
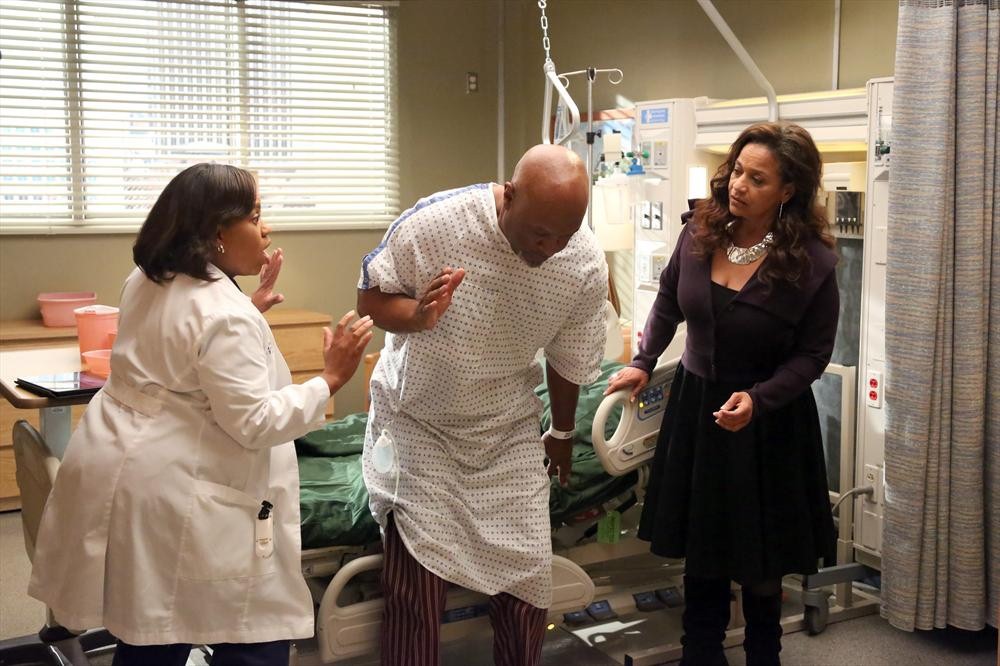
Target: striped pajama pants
[(415, 601)]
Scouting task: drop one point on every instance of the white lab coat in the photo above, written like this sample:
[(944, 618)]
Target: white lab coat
[(150, 528)]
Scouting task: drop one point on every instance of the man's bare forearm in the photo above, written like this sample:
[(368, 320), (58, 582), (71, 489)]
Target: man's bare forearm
[(395, 313), (563, 396)]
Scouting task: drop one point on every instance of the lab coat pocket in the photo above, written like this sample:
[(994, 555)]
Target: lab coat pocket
[(220, 534)]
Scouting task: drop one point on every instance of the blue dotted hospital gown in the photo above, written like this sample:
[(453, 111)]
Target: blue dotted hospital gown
[(468, 489)]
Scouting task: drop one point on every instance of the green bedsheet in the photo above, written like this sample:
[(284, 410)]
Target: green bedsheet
[(334, 500)]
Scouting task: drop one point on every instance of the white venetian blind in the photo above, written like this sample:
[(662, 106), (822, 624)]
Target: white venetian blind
[(102, 102)]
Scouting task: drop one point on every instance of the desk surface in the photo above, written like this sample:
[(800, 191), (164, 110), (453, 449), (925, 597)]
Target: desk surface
[(20, 330), (29, 362), (17, 330)]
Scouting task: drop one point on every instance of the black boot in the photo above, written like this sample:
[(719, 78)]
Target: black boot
[(706, 615), (763, 629)]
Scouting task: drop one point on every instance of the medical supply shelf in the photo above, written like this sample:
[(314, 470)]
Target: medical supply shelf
[(298, 334)]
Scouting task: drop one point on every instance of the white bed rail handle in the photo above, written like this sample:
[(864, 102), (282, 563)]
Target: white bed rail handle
[(352, 629), (604, 412), (634, 440), (347, 631)]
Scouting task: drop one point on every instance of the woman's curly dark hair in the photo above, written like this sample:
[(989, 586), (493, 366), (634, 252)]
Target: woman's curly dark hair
[(179, 234), (799, 163)]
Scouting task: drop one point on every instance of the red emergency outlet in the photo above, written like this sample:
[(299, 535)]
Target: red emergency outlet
[(873, 383), (873, 395)]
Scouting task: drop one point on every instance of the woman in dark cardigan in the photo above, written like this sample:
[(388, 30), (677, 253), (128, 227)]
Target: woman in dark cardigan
[(738, 486)]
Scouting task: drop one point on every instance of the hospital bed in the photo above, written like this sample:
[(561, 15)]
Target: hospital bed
[(341, 539), (616, 442)]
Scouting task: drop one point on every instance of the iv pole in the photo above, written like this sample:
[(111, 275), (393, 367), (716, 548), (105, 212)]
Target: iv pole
[(615, 77), (560, 83)]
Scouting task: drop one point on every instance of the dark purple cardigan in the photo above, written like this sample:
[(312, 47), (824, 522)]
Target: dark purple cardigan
[(773, 344)]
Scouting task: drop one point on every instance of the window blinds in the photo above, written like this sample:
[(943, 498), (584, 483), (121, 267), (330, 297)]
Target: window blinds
[(102, 102)]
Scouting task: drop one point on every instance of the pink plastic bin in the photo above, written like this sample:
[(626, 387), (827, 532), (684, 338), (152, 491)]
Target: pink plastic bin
[(57, 306), (94, 325), (98, 362)]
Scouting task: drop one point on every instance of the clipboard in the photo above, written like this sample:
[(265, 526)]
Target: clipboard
[(62, 384)]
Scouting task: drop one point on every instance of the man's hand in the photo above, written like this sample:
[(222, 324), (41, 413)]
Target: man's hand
[(560, 455), (736, 413), (265, 296), (437, 297)]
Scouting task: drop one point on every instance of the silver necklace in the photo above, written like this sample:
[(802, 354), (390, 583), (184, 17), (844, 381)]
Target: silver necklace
[(747, 255)]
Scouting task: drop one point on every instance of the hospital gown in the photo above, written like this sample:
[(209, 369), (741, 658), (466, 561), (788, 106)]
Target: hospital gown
[(468, 488)]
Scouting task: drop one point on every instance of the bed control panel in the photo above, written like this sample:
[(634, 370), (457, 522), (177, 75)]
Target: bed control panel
[(652, 401), (634, 441)]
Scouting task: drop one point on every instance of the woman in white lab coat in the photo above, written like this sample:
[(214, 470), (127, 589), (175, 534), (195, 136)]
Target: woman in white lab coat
[(175, 515)]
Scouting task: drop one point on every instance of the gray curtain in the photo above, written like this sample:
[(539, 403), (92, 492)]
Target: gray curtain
[(941, 539)]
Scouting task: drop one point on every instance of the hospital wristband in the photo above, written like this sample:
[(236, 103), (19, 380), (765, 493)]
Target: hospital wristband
[(560, 434)]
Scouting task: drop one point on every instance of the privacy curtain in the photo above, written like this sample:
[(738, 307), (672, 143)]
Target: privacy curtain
[(941, 539)]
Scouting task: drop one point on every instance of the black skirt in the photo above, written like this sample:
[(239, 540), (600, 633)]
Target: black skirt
[(750, 506)]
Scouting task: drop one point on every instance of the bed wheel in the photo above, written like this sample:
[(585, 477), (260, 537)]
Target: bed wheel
[(816, 618)]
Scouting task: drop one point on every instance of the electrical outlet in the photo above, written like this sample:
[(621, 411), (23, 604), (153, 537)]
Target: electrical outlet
[(644, 268), (874, 388), (873, 478), (658, 263), (661, 154)]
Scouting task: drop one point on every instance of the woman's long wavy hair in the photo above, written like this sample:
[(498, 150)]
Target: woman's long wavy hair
[(179, 234), (799, 163)]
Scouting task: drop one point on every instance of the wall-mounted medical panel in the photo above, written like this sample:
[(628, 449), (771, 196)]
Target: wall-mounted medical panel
[(873, 377), (664, 138)]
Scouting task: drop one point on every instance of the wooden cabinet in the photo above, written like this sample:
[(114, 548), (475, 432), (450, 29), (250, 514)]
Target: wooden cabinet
[(299, 334)]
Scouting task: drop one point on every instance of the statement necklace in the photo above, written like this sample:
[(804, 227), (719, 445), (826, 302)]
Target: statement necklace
[(747, 255)]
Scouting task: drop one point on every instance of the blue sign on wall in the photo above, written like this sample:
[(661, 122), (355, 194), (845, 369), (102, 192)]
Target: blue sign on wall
[(652, 116)]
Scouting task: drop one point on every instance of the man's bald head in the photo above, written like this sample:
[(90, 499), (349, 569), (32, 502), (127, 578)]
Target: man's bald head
[(544, 202), (555, 173)]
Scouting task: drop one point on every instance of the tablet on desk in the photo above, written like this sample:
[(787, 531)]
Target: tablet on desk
[(62, 385)]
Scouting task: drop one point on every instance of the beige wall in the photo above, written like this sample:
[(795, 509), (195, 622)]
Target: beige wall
[(867, 40), (447, 138)]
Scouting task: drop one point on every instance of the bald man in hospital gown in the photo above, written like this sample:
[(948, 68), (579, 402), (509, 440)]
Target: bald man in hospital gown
[(469, 284)]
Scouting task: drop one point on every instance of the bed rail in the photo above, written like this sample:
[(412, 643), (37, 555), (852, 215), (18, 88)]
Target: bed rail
[(634, 441)]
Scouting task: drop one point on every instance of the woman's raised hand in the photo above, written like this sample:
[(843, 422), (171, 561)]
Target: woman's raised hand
[(265, 296)]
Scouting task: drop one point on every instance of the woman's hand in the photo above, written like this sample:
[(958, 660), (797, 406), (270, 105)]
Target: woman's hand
[(736, 413), (628, 377), (265, 296), (343, 348)]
